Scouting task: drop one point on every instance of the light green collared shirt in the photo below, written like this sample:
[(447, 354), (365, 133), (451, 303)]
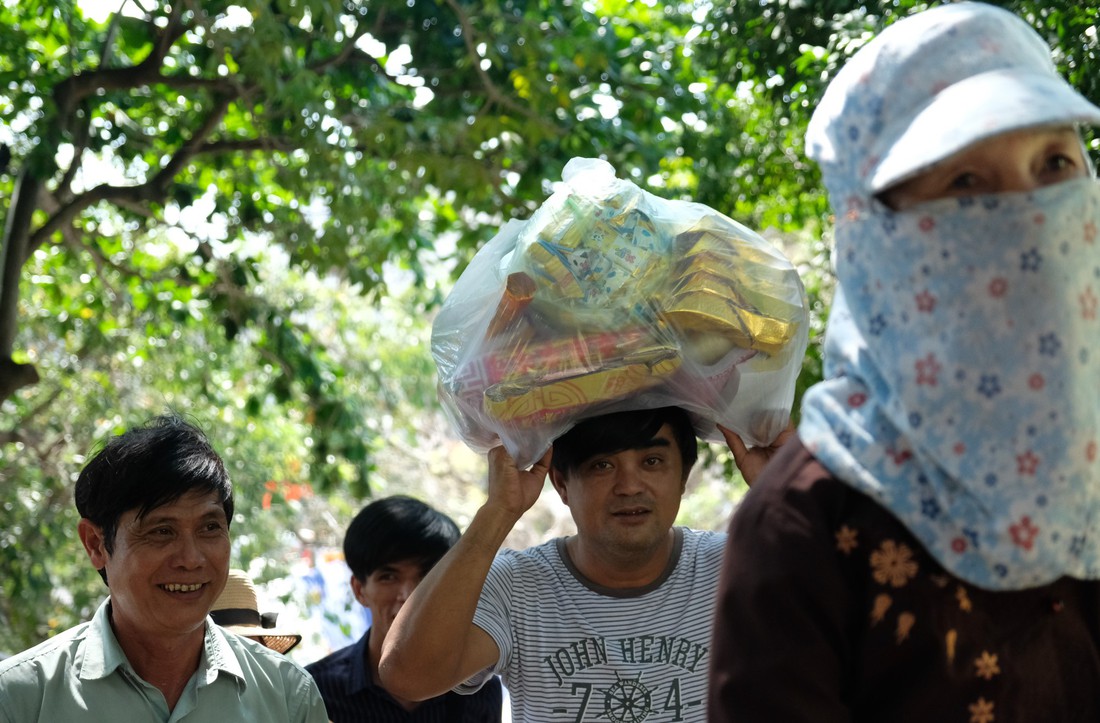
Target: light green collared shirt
[(83, 675)]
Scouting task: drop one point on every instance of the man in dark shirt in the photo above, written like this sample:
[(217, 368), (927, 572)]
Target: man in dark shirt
[(389, 546)]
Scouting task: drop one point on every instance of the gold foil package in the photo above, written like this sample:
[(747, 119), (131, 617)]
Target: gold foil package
[(542, 399), (611, 298)]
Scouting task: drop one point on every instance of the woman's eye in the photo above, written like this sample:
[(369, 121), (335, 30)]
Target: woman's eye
[(964, 182), (1059, 162)]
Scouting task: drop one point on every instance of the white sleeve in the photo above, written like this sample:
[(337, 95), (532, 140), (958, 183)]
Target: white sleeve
[(494, 616)]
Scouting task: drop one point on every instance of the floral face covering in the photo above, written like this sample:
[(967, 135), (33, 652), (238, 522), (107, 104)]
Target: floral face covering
[(963, 371)]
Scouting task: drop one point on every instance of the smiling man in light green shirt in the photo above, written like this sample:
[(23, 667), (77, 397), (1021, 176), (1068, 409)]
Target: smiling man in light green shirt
[(155, 506)]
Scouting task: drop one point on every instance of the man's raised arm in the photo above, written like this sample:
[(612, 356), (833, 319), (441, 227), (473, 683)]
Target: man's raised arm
[(433, 644)]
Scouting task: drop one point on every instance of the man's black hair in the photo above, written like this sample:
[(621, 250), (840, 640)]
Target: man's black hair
[(147, 467), (394, 529), (619, 431)]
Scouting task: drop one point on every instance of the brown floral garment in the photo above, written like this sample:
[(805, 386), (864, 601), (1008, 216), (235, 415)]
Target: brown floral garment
[(830, 611)]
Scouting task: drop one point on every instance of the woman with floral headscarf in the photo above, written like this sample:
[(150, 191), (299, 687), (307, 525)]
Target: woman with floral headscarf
[(928, 547)]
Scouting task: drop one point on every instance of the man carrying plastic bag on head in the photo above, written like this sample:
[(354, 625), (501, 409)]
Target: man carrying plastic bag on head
[(598, 325)]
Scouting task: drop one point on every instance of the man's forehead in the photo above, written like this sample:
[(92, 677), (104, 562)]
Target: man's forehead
[(190, 505)]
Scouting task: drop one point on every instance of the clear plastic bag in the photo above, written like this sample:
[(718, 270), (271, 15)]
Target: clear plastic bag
[(610, 298)]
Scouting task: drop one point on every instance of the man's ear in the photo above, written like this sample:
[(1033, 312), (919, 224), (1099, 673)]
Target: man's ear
[(558, 480), (91, 535), (359, 590)]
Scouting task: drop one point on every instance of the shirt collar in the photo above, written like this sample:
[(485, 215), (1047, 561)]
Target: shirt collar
[(218, 655), (100, 653)]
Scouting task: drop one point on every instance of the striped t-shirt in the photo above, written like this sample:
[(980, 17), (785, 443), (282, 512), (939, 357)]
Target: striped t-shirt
[(571, 650)]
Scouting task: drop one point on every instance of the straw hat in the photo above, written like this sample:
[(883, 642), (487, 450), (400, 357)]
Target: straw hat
[(237, 610)]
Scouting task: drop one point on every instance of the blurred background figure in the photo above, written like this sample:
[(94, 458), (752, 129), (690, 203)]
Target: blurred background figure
[(390, 546)]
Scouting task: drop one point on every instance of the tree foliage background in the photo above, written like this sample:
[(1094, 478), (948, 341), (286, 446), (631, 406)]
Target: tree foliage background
[(246, 212)]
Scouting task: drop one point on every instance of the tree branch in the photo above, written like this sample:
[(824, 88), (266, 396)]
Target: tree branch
[(99, 259), (69, 92), (194, 144), (491, 90), (14, 253), (18, 432), (219, 86), (155, 189), (345, 53), (15, 376), (248, 145)]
